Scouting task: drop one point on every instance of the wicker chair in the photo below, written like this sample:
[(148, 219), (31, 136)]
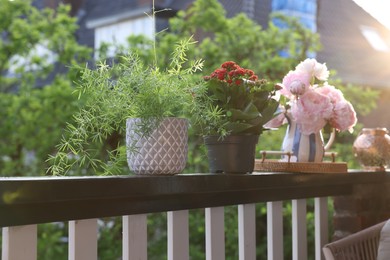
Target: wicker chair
[(362, 245)]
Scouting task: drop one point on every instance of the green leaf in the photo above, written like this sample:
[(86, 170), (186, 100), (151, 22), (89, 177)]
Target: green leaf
[(250, 112), (236, 127), (269, 112)]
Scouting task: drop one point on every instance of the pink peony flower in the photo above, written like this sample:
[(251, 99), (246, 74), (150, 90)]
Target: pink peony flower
[(314, 68), (307, 66), (321, 72), (311, 111), (316, 104), (344, 116), (334, 94), (307, 123), (297, 88), (295, 83), (311, 125)]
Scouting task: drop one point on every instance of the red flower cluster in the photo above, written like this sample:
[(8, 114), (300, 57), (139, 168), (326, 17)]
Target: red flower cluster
[(230, 72), (235, 101)]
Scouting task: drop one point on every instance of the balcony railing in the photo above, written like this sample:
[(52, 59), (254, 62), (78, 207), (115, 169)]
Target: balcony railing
[(26, 202)]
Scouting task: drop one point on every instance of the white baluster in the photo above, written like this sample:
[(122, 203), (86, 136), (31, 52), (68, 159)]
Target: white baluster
[(215, 233), (299, 229), (275, 230), (247, 231), (83, 239), (135, 241), (321, 225), (178, 239), (19, 242)]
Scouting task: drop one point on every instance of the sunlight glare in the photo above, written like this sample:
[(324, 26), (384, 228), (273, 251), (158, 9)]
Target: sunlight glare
[(378, 9)]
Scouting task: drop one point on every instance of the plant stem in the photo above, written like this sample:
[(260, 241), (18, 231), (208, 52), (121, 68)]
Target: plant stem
[(154, 39)]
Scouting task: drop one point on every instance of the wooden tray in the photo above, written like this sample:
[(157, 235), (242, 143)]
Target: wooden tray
[(267, 165)]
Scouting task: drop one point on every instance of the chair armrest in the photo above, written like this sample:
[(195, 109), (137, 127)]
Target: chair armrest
[(360, 245)]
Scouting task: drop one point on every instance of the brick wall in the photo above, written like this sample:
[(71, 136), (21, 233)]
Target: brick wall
[(369, 204)]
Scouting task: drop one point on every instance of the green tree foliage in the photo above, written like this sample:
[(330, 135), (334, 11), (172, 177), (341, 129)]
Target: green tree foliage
[(34, 41), (33, 44), (32, 125), (242, 40)]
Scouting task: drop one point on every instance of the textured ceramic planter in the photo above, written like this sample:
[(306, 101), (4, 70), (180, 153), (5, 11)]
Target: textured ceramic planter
[(164, 151)]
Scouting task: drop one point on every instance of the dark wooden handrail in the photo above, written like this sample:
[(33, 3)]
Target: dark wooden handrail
[(32, 200)]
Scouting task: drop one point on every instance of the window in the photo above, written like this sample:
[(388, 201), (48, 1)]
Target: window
[(305, 10), (374, 39)]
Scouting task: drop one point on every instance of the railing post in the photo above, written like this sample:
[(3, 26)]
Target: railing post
[(321, 225), (215, 233), (247, 231), (178, 235), (135, 242), (83, 239), (299, 230), (19, 242), (275, 230)]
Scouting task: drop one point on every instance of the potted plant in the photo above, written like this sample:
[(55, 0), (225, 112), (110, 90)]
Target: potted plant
[(231, 109), (137, 100)]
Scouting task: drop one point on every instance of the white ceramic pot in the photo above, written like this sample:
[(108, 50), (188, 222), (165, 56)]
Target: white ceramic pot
[(163, 151), (305, 148)]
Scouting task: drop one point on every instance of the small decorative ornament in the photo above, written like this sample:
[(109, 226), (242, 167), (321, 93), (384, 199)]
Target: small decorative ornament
[(372, 149)]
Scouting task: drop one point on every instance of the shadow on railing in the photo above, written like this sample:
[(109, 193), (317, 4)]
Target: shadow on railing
[(26, 202)]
